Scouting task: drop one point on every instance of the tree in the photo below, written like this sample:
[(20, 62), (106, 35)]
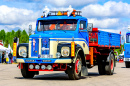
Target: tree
[(12, 38), (2, 33), (18, 33), (24, 37), (7, 39)]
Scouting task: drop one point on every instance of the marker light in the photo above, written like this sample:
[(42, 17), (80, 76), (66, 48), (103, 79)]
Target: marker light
[(59, 13), (72, 49), (41, 16)]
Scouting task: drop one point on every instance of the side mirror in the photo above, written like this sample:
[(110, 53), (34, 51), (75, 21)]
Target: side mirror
[(90, 27)]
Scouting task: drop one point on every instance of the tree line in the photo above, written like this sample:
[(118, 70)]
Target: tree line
[(8, 37)]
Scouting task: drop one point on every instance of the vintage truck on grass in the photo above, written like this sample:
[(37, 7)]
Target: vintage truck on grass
[(64, 41), (127, 50)]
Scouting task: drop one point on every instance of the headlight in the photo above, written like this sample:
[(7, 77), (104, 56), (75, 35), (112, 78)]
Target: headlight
[(65, 51), (22, 52)]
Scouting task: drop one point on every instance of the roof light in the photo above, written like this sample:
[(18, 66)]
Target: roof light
[(41, 16), (46, 11), (70, 10), (59, 13)]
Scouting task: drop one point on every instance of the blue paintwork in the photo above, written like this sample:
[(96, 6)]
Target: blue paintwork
[(109, 39), (40, 60), (59, 33), (127, 48), (128, 33)]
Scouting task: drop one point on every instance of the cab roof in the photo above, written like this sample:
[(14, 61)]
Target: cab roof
[(61, 17)]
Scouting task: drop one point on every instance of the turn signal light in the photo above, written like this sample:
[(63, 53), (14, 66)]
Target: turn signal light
[(72, 49)]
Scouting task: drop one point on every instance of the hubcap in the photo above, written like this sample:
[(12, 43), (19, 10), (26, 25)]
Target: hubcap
[(78, 66)]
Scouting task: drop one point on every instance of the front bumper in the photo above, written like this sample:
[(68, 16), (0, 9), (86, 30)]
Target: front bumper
[(43, 60), (126, 59)]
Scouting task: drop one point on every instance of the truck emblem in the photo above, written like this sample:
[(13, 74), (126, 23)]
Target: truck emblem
[(43, 48)]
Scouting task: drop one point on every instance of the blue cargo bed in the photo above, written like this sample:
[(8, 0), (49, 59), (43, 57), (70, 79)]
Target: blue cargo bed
[(108, 39)]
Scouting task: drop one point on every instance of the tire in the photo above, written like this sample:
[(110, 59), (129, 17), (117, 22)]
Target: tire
[(109, 68), (66, 72), (74, 72), (25, 73), (127, 64), (101, 67)]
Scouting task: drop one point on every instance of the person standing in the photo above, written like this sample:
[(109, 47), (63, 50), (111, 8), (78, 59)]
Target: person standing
[(3, 58), (10, 57), (7, 58)]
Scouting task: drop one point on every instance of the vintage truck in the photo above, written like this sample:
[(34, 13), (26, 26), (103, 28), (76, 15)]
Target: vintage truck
[(127, 50), (65, 41)]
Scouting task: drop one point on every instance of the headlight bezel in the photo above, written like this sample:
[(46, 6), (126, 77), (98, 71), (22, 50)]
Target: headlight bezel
[(65, 51), (23, 49)]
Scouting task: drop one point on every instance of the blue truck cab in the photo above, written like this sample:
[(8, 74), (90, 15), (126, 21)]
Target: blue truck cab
[(67, 43), (127, 50)]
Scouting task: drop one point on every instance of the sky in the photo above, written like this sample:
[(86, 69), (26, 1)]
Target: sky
[(107, 15)]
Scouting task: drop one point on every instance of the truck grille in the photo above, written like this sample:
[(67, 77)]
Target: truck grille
[(35, 47), (45, 45)]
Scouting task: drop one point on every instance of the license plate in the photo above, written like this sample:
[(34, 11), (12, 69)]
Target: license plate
[(46, 56)]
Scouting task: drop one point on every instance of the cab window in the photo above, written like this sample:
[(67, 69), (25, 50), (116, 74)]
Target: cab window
[(82, 25)]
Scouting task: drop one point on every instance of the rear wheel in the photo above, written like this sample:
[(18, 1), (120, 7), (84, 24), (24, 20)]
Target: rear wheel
[(25, 73), (101, 67), (110, 66), (74, 72), (127, 64)]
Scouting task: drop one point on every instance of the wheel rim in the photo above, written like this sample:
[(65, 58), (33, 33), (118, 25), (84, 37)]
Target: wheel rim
[(78, 66), (112, 64)]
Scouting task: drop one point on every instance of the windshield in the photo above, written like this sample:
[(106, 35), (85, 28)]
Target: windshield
[(128, 38), (50, 25)]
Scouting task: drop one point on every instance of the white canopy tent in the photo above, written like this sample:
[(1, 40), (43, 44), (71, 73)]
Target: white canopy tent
[(2, 48), (5, 50), (10, 50)]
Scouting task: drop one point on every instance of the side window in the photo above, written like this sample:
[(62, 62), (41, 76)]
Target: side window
[(40, 26), (82, 25)]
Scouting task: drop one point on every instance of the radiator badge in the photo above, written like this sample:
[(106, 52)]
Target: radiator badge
[(43, 48)]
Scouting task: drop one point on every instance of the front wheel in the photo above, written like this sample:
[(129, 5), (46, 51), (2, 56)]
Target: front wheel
[(74, 72), (25, 73)]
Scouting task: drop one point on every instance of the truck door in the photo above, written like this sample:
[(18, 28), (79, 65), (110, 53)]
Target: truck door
[(83, 33)]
